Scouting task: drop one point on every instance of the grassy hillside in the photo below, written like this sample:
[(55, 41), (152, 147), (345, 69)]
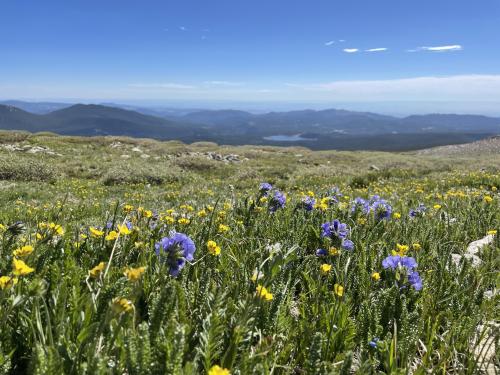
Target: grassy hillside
[(133, 256)]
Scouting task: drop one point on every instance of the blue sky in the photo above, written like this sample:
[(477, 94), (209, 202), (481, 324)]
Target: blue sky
[(260, 50)]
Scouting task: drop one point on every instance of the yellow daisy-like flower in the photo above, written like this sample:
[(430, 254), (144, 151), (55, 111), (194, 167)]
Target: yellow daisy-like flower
[(333, 251), (325, 268), (121, 305), (19, 268), (375, 276), (128, 208), (96, 271), (169, 220), (56, 228), (202, 213), (396, 215), (123, 229), (401, 250), (94, 232), (213, 248), (183, 221), (217, 370), (134, 274), (338, 290), (437, 207), (111, 236), (263, 293), (23, 251), (487, 199), (148, 213), (492, 232), (7, 282), (416, 246), (223, 228), (361, 221)]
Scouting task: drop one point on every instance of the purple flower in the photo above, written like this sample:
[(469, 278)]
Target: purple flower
[(129, 225), (308, 203), (347, 245), (381, 209), (334, 229), (321, 252), (419, 211), (415, 280), (360, 204), (175, 251), (373, 343), (109, 224), (393, 261), (277, 201), (265, 188)]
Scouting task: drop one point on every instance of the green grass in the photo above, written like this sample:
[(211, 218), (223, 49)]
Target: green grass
[(61, 319)]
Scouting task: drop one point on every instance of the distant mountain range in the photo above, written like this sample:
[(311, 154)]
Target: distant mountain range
[(325, 129)]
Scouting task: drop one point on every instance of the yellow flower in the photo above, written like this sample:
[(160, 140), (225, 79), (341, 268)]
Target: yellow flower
[(263, 293), (183, 221), (217, 370), (494, 188), (338, 289), (223, 228), (492, 232), (401, 250), (123, 229), (56, 228), (96, 232), (121, 305), (437, 206), (6, 282), (23, 251), (148, 213), (416, 246), (202, 213), (169, 220), (213, 248), (96, 271), (19, 268), (396, 215), (487, 199), (134, 274), (128, 208), (111, 236), (361, 221), (325, 268), (375, 276), (263, 200), (333, 251), (257, 275)]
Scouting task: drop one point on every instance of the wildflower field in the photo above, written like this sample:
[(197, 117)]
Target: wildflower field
[(123, 256)]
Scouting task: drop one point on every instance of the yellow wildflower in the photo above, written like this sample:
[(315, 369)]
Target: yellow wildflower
[(169, 220), (263, 200), (361, 221), (134, 274), (333, 251), (121, 305), (217, 370), (183, 221), (396, 215), (128, 208), (201, 213), (338, 289), (416, 246), (263, 293), (56, 228), (437, 206), (492, 232), (401, 250), (23, 251), (487, 199), (325, 268), (223, 228), (96, 232), (19, 268), (96, 271), (6, 282), (111, 236), (375, 276), (213, 248), (123, 229)]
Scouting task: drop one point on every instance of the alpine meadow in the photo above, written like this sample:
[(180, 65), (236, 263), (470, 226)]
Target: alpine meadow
[(254, 187)]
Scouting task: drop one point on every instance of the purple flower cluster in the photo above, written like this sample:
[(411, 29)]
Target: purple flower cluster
[(419, 211), (175, 251), (335, 194), (406, 264), (277, 201), (308, 203), (380, 208), (339, 231), (265, 188)]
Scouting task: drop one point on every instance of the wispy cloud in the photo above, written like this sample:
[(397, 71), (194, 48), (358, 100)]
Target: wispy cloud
[(330, 43), (182, 28), (167, 85), (223, 83), (460, 87), (450, 48), (376, 49), (350, 50)]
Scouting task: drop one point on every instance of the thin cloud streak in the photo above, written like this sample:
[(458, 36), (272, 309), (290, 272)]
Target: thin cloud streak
[(376, 49), (350, 50), (450, 48)]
